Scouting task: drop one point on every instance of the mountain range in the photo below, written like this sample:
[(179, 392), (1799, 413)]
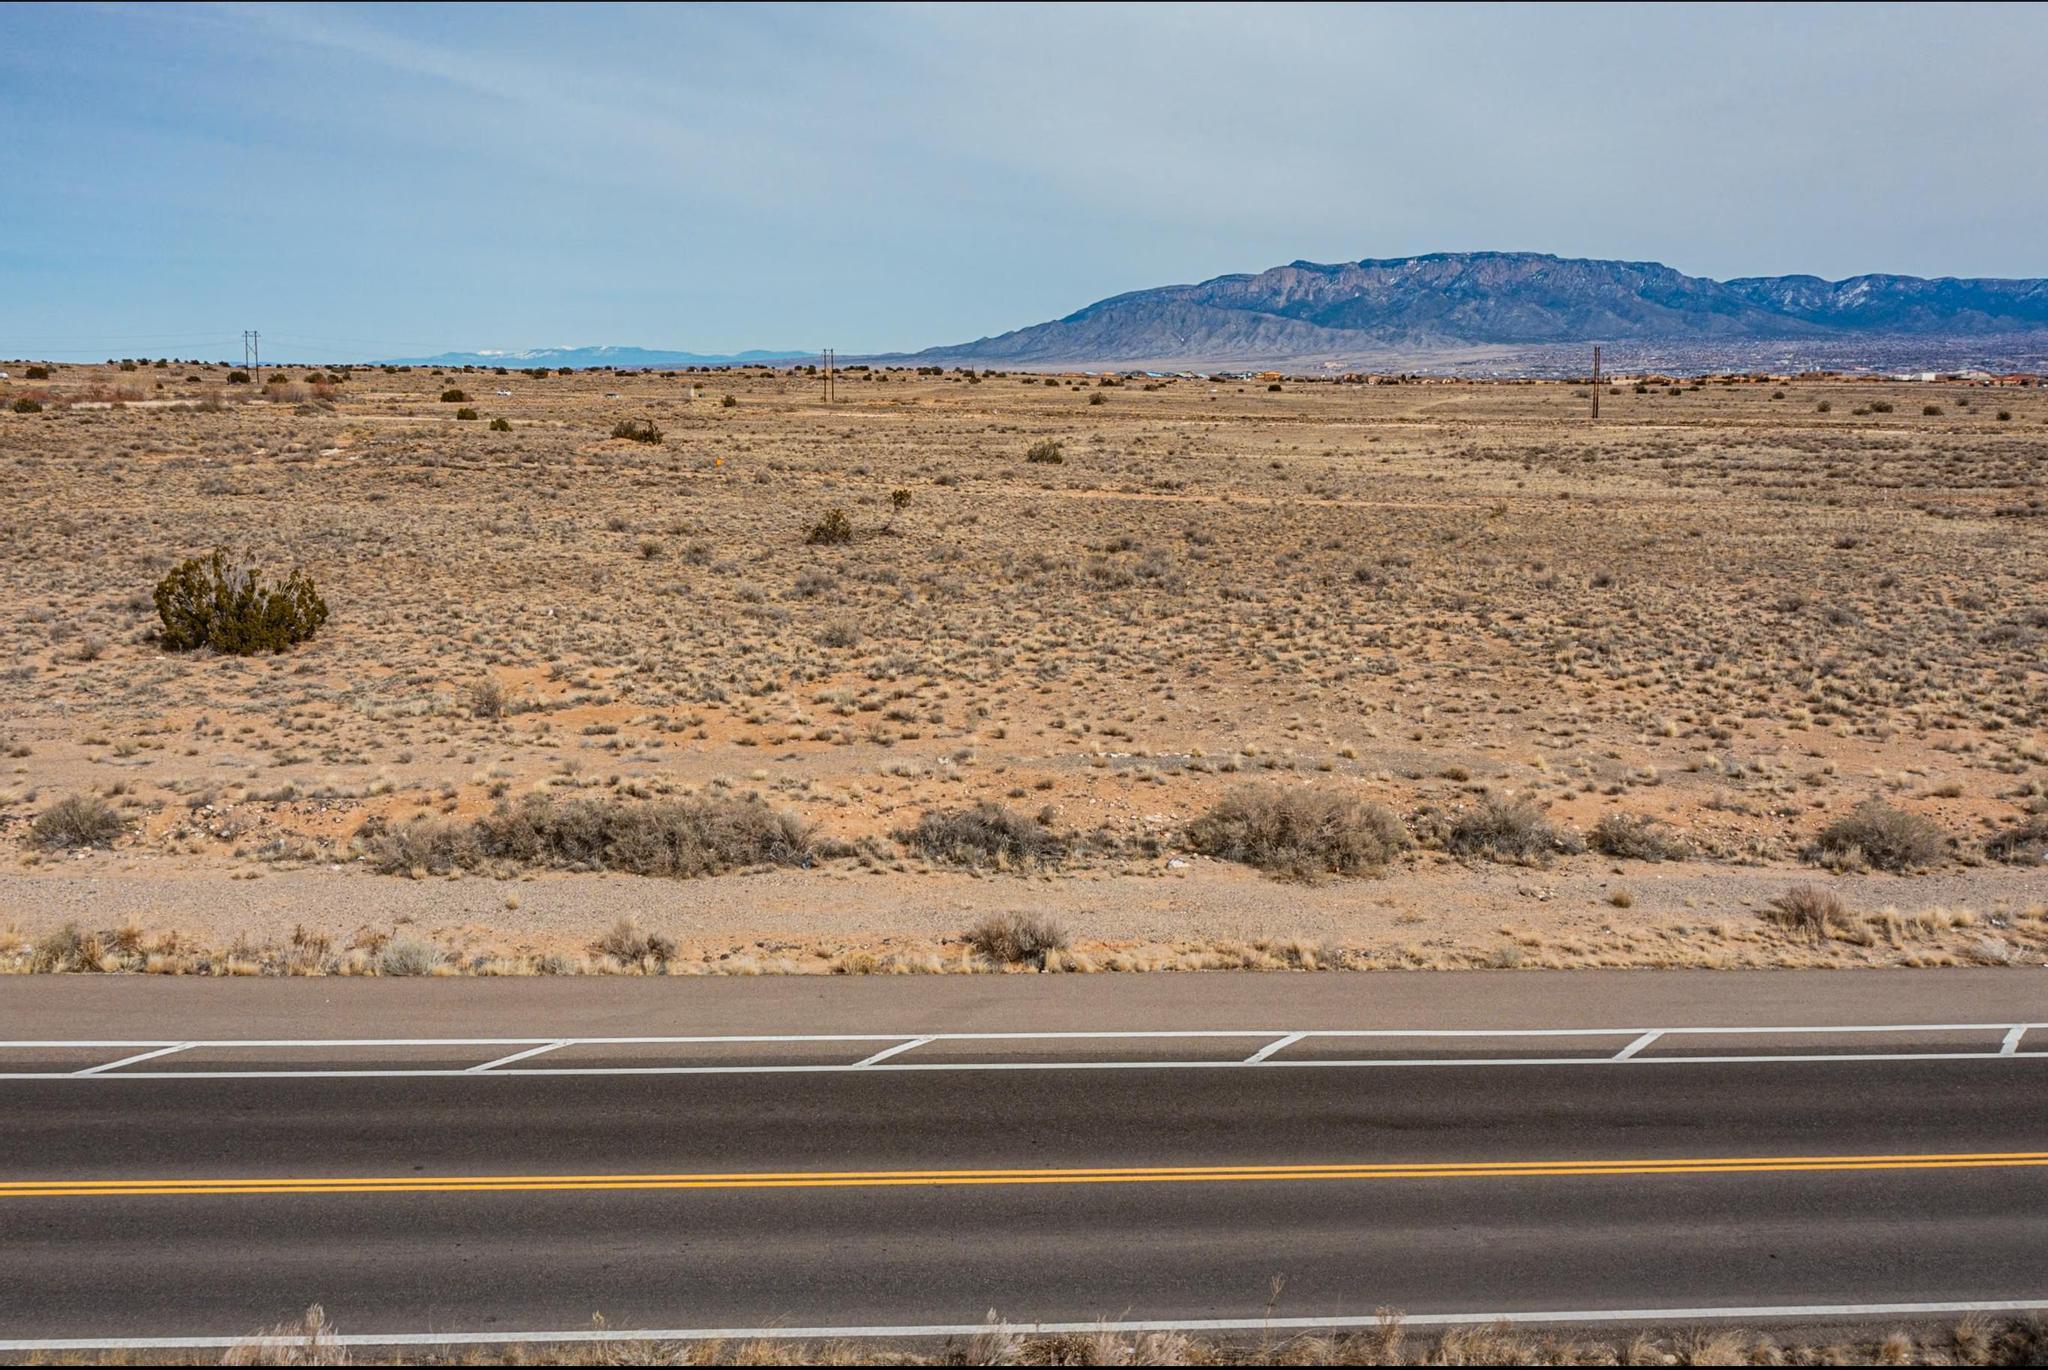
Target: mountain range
[(1526, 313), (1494, 304), (581, 358)]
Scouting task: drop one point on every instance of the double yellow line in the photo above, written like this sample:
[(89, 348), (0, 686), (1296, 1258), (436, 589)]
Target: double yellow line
[(882, 1179)]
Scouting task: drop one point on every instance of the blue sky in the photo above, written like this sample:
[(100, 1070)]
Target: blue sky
[(380, 181)]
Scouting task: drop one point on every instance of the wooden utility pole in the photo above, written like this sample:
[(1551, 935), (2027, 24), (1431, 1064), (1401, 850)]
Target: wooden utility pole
[(1596, 380)]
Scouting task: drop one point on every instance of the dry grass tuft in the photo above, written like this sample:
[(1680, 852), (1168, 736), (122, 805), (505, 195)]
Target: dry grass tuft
[(1807, 909), (1013, 939)]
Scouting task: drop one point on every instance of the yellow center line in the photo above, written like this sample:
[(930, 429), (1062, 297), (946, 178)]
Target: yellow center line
[(851, 1179)]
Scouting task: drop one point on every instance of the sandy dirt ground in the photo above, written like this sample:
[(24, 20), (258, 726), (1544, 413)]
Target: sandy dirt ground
[(1740, 610)]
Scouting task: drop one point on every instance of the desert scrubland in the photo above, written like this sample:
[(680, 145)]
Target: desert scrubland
[(1192, 672)]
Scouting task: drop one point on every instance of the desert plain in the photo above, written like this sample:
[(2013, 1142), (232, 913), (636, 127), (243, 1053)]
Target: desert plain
[(1618, 683)]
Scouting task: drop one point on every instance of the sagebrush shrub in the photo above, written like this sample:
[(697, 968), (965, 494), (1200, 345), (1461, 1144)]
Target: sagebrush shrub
[(77, 820), (25, 405), (453, 396), (1638, 837), (212, 602), (671, 837), (1300, 834), (1047, 453), (1507, 831), (986, 835), (1876, 834), (637, 430)]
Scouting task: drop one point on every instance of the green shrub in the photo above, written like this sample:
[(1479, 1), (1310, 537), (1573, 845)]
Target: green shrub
[(1047, 453), (728, 402), (1009, 939), (238, 378), (1501, 830), (453, 396), (37, 373), (212, 602), (77, 820), (636, 430), (466, 413), (1638, 837), (501, 425), (1300, 834), (1876, 834), (25, 405), (987, 835), (833, 530), (1932, 411)]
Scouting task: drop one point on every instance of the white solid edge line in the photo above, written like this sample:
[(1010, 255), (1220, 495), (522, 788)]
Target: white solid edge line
[(887, 1052), (312, 1043), (1775, 1312), (893, 1066)]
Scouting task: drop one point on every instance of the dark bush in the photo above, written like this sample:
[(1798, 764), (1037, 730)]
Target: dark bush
[(728, 402), (466, 413), (987, 835), (77, 820), (25, 405), (637, 430), (1010, 939), (1300, 834), (1876, 834), (501, 425), (453, 396), (2027, 842), (1047, 453), (212, 602), (669, 837), (37, 373), (1503, 830), (833, 530), (238, 378), (1638, 837)]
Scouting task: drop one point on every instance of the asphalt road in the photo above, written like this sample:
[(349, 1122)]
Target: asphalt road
[(203, 1205)]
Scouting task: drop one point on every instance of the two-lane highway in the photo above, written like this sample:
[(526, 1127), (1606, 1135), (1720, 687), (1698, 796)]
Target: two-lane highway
[(202, 1159)]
